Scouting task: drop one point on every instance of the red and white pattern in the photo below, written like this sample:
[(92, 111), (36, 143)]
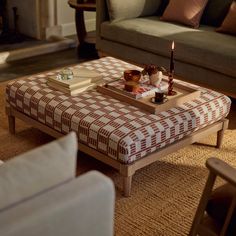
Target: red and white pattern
[(121, 131)]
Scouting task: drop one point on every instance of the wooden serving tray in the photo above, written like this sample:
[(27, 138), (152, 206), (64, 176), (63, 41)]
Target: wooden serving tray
[(184, 94)]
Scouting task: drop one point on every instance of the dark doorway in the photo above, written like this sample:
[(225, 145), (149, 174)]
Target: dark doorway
[(7, 35)]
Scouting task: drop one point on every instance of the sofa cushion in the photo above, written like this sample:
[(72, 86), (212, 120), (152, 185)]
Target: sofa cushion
[(191, 44), (81, 207), (229, 23), (185, 12), (215, 12), (119, 10), (37, 170)]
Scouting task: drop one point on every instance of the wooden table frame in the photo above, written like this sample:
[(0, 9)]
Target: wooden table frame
[(79, 17), (126, 170)]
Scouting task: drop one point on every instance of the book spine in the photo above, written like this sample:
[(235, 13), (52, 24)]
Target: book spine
[(75, 87), (58, 87), (83, 89), (80, 82), (58, 82), (74, 91)]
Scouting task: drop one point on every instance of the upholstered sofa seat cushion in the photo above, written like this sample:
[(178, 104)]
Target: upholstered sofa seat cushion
[(192, 45), (38, 170)]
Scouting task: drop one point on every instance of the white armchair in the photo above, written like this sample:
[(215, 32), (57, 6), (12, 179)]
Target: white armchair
[(41, 196)]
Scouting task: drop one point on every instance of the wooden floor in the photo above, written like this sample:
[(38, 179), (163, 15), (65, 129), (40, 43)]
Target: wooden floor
[(38, 64), (27, 42)]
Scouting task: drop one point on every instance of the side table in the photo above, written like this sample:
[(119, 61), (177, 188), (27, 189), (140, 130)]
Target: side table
[(85, 49)]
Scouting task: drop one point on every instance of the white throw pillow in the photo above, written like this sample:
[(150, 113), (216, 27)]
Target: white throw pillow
[(37, 170), (119, 10)]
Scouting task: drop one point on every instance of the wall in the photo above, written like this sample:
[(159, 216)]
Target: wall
[(66, 18), (90, 21), (28, 16)]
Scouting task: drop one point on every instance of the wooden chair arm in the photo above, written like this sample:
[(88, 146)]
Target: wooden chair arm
[(222, 169)]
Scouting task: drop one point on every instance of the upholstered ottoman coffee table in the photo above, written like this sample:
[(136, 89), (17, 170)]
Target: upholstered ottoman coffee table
[(114, 132)]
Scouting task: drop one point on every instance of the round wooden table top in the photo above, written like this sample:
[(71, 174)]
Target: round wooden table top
[(89, 5)]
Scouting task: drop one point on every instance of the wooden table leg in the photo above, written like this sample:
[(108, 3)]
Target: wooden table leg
[(11, 124), (80, 26), (220, 134), (85, 49), (127, 182)]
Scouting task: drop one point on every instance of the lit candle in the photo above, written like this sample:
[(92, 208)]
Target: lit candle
[(172, 57)]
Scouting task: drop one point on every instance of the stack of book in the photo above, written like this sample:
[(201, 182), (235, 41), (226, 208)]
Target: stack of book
[(83, 79)]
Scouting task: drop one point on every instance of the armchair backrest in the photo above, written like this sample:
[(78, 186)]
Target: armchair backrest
[(40, 194), (202, 224), (38, 170)]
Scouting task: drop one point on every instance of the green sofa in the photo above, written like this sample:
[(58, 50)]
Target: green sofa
[(132, 30)]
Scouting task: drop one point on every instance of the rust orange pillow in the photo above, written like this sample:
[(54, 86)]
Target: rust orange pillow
[(187, 12), (229, 23)]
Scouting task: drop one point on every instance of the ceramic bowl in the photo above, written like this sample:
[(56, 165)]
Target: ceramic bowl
[(132, 75)]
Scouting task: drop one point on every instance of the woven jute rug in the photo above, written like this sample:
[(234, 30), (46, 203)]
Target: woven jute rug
[(164, 195)]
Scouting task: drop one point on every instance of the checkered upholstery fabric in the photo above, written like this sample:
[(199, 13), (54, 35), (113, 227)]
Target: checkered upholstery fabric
[(121, 131)]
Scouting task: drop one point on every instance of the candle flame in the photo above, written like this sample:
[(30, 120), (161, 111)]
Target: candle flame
[(173, 45)]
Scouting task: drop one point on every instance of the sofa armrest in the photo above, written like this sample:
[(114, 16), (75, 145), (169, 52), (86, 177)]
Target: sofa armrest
[(101, 16), (82, 206)]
